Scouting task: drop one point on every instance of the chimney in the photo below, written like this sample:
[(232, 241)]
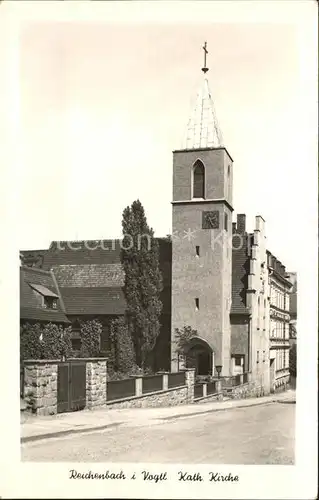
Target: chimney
[(241, 223)]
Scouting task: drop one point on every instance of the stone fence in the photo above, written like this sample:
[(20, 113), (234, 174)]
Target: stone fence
[(242, 386), (84, 385), (208, 391)]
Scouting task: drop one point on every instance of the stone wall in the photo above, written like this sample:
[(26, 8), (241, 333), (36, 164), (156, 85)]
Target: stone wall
[(40, 386), (95, 383), (281, 383), (167, 397), (171, 397), (212, 397), (249, 390)]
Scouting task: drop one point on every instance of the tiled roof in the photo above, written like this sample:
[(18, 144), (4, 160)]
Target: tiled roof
[(94, 300), (31, 300), (90, 275), (38, 314), (32, 258), (82, 252), (240, 266)]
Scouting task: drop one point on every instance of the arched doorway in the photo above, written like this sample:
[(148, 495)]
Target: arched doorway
[(200, 356)]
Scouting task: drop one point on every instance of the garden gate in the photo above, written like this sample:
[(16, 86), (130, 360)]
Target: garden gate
[(71, 386)]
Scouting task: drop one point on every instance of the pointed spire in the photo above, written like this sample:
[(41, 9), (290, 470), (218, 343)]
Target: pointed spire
[(203, 130)]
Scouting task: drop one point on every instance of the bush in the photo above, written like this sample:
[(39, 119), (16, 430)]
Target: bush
[(49, 341), (90, 334)]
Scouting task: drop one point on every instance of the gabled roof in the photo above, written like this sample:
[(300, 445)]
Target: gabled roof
[(34, 283)]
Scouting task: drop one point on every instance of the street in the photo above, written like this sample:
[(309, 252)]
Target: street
[(259, 435)]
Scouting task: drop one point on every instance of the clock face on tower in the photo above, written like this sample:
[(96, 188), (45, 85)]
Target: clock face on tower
[(210, 220)]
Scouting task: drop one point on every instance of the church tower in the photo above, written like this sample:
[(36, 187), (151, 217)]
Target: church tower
[(202, 239)]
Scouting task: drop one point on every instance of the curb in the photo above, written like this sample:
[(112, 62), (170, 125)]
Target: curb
[(48, 435), (57, 434)]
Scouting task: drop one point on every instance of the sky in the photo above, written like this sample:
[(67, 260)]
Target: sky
[(102, 106)]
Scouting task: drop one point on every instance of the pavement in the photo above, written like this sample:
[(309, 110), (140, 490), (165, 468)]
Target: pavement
[(36, 428)]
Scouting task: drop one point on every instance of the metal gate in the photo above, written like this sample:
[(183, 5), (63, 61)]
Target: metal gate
[(71, 386)]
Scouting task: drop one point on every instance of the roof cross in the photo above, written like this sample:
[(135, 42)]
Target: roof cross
[(205, 69)]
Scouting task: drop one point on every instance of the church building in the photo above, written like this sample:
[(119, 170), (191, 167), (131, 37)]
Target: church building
[(216, 274)]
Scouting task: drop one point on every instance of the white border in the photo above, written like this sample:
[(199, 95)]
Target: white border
[(35, 481)]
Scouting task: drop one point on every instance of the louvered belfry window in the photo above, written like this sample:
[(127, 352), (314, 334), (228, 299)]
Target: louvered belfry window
[(199, 180)]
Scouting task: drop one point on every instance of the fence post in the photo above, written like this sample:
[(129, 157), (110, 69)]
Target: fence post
[(204, 390), (96, 382), (41, 385), (190, 381), (241, 376), (218, 386), (138, 386), (165, 381)]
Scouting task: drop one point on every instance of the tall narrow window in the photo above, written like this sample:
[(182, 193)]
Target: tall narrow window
[(197, 304), (226, 222), (197, 251), (228, 182), (199, 180)]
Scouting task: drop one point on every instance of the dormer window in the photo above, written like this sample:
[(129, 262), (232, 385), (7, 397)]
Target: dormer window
[(198, 180), (50, 303), (49, 298)]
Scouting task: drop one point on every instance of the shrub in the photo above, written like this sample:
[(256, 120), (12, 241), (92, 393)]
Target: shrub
[(90, 334), (49, 341)]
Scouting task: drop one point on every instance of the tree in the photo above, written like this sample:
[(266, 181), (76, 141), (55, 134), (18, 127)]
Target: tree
[(183, 337), (122, 349), (143, 281), (90, 335)]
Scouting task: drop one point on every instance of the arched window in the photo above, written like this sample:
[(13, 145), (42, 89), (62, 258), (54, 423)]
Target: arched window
[(199, 180)]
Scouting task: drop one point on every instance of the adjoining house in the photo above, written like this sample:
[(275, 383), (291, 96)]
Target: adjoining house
[(249, 314), (40, 302), (280, 288), (40, 298), (292, 277)]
